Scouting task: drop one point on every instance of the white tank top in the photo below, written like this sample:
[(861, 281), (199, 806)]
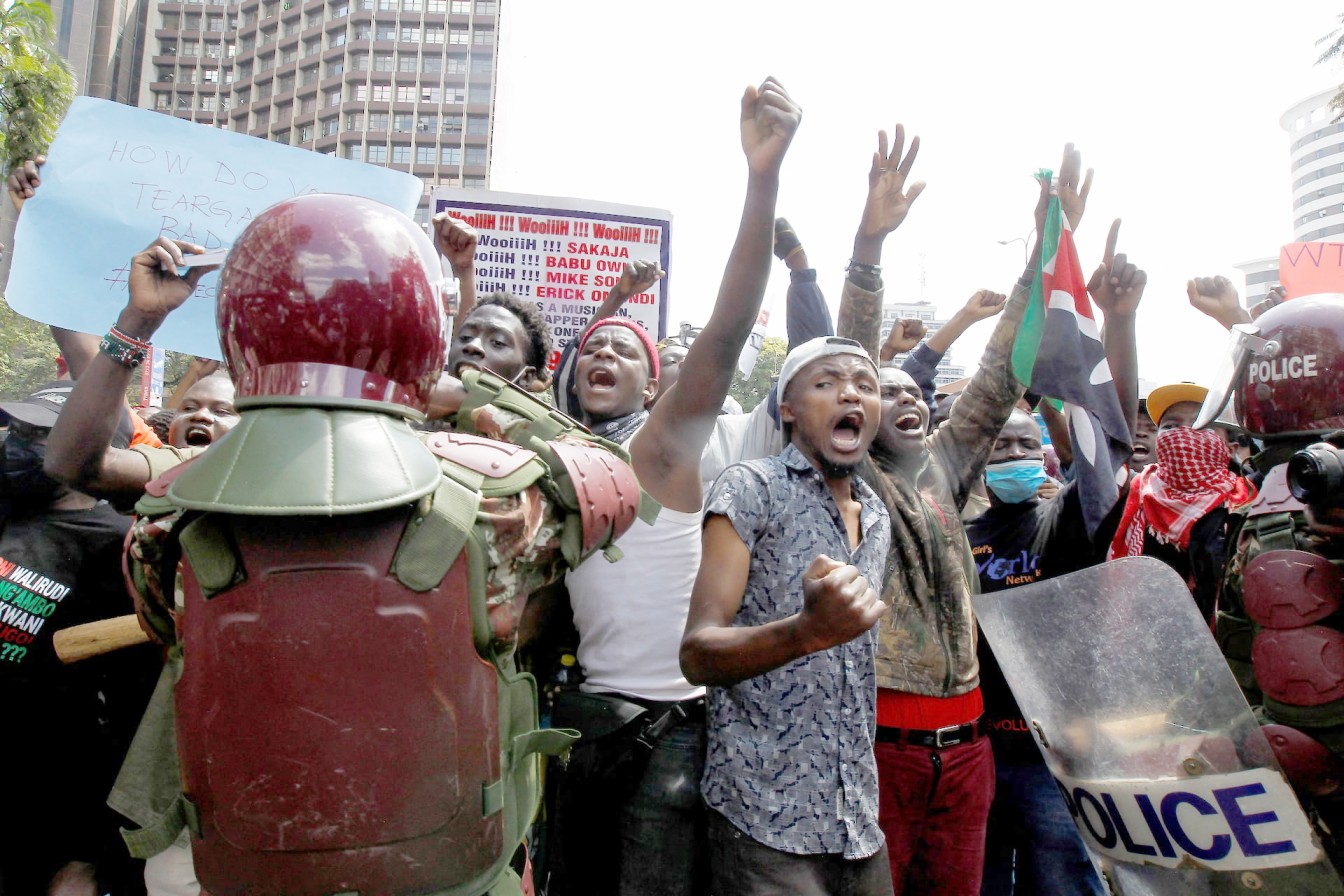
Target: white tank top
[(631, 614)]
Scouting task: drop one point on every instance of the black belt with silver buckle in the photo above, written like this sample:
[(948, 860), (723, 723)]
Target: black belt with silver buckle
[(663, 716), (936, 739)]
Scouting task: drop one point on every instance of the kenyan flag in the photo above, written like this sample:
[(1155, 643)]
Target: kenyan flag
[(1059, 354)]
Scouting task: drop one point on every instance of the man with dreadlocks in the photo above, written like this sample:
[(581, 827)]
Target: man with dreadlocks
[(935, 769)]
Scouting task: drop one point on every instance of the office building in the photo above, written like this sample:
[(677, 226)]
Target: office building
[(406, 84), (928, 314)]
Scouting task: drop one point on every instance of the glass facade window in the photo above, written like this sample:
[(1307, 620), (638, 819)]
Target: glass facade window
[(401, 154), (451, 155), (378, 155)]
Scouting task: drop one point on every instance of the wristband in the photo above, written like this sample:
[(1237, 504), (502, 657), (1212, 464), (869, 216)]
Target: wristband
[(125, 350), (867, 277)]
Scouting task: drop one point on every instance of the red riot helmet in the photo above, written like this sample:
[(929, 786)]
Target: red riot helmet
[(1287, 369), (333, 300)]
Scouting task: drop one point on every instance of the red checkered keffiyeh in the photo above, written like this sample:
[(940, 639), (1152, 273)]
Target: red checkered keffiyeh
[(1189, 479)]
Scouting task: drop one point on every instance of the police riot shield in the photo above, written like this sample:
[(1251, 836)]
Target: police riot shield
[(1157, 756)]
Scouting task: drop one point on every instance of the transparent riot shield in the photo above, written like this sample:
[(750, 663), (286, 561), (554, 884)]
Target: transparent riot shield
[(1157, 756)]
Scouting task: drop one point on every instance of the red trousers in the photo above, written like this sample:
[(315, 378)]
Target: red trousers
[(933, 808)]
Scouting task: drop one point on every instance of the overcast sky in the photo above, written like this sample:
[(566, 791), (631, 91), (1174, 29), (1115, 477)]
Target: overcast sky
[(1175, 104)]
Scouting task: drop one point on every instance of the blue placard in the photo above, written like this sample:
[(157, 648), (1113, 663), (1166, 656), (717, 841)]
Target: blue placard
[(118, 177)]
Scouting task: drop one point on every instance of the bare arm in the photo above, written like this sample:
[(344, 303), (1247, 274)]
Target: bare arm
[(887, 204), (77, 449), (666, 452), (838, 606), (1058, 427), (1117, 286), (983, 305), (456, 240), (78, 349)]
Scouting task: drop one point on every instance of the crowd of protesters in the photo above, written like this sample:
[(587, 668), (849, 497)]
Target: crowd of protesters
[(803, 703)]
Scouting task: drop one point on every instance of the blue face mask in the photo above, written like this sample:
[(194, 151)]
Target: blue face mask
[(1015, 481)]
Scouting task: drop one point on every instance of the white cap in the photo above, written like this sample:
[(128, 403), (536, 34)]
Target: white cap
[(816, 349)]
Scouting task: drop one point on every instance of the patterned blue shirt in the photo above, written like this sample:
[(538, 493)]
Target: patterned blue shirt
[(790, 759)]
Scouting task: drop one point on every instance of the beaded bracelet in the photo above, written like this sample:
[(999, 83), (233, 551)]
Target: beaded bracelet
[(125, 350)]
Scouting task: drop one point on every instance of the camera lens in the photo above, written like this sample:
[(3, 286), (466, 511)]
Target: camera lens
[(1316, 474)]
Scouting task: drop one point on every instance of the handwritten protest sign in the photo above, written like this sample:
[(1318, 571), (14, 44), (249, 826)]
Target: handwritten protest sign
[(564, 254), (118, 177), (1308, 269)]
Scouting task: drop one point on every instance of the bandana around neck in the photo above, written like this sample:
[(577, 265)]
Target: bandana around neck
[(621, 429)]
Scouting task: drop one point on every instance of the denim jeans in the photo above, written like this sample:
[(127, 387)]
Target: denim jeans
[(740, 866), (651, 843), (1032, 846)]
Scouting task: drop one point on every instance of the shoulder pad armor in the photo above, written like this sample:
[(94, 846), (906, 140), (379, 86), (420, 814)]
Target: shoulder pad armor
[(488, 457), (1308, 763), (1291, 589), (1300, 666), (608, 493)]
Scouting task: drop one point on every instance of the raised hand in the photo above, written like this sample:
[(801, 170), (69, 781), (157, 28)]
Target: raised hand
[(888, 199), (1072, 191), (1217, 297), (155, 286), (769, 121), (24, 180), (838, 604), (638, 276), (456, 239), (983, 304), (904, 336), (1116, 285)]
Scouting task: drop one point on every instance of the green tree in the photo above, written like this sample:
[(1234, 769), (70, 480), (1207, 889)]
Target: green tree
[(27, 354), (36, 84), (752, 390)]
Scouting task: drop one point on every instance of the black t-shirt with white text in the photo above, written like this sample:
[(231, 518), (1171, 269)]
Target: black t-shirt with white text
[(71, 724), (1009, 552)]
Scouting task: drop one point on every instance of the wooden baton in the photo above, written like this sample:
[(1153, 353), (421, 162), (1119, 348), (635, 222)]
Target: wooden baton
[(79, 642)]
